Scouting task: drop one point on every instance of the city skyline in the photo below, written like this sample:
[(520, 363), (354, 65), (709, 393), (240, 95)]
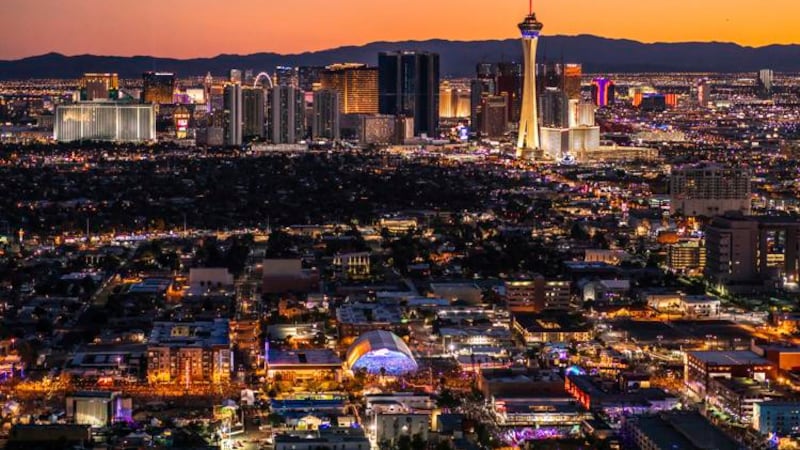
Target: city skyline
[(202, 28)]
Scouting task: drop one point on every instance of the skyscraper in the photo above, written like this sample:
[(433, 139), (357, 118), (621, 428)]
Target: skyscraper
[(572, 81), (529, 120), (158, 87), (602, 91), (325, 118), (703, 91), (99, 86), (408, 85), (286, 76), (287, 115), (765, 78), (509, 83), (554, 108), (356, 84), (232, 99), (308, 76), (235, 76), (254, 108), (494, 116)]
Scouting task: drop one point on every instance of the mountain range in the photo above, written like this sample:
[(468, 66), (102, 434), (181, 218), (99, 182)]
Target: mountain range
[(458, 58)]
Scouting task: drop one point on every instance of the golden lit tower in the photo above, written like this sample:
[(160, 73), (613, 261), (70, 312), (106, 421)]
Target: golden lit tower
[(529, 118)]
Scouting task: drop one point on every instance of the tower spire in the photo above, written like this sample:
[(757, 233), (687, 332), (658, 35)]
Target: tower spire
[(530, 7)]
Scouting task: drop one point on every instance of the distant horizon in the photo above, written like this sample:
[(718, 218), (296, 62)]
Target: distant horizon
[(211, 56), (185, 29)]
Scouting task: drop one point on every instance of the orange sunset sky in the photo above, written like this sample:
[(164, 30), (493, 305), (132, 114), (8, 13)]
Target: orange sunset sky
[(193, 28)]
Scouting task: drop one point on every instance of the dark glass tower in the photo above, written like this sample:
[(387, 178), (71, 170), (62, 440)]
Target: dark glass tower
[(408, 85)]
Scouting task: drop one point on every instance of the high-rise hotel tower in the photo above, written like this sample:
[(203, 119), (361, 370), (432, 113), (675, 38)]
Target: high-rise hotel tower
[(528, 140)]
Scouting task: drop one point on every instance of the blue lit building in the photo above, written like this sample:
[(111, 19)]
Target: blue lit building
[(378, 350)]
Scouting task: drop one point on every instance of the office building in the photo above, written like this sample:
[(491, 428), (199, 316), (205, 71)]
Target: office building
[(538, 294), (408, 85), (603, 92), (493, 116), (709, 190), (325, 122), (233, 119), (254, 107), (356, 84), (780, 417), (189, 352), (528, 139), (99, 86), (111, 122), (687, 256), (748, 249), (287, 115), (158, 88)]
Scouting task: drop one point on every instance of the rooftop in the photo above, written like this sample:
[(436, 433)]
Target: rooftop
[(735, 358), (321, 357)]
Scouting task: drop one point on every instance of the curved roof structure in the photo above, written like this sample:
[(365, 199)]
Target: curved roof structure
[(381, 349)]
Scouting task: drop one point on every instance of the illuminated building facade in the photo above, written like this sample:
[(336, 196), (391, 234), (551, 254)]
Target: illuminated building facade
[(189, 352), (105, 122), (701, 367), (408, 85), (687, 256), (528, 139), (181, 118), (603, 91), (287, 76), (99, 86), (378, 129), (709, 190), (356, 84), (98, 409), (537, 295), (158, 88), (703, 93), (381, 351)]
